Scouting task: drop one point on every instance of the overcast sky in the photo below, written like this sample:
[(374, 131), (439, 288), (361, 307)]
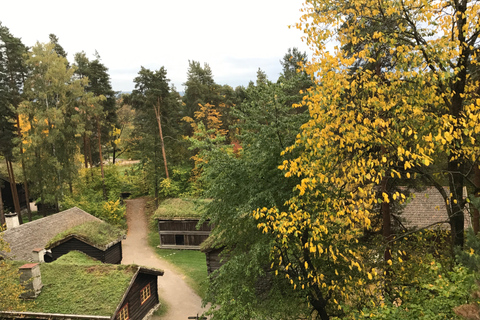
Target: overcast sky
[(234, 37)]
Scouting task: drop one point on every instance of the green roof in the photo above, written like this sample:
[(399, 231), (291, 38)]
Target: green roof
[(77, 284), (97, 233), (180, 208)]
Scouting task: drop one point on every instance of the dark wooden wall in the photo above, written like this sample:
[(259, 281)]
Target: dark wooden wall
[(182, 233), (7, 196), (136, 310), (114, 254), (214, 261), (111, 255)]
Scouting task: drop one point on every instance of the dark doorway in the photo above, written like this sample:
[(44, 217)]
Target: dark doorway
[(179, 240)]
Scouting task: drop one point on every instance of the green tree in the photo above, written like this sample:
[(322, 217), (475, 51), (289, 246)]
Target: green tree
[(51, 119), (99, 85), (157, 114), (12, 74), (415, 117), (57, 47), (241, 181), (200, 88)]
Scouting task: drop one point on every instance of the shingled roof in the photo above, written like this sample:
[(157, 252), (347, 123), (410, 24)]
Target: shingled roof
[(32, 235), (426, 208)]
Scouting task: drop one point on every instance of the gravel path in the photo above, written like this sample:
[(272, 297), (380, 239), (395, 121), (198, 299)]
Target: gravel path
[(182, 301)]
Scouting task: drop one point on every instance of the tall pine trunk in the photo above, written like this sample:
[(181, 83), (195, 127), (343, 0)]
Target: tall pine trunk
[(13, 187), (155, 173), (89, 145), (101, 159), (85, 157), (158, 116), (2, 210)]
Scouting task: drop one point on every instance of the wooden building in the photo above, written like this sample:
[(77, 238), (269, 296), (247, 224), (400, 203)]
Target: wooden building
[(135, 297), (110, 253), (182, 233), (26, 239), (426, 209), (140, 297), (213, 254), (213, 259)]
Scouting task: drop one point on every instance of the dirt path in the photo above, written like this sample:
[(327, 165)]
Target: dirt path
[(181, 299)]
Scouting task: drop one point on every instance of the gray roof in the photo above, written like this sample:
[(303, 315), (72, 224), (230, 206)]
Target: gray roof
[(32, 235), (426, 208)]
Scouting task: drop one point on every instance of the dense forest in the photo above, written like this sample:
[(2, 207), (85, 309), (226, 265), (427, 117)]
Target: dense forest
[(307, 175)]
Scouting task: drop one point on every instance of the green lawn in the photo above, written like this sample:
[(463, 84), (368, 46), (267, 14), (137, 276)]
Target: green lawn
[(191, 263)]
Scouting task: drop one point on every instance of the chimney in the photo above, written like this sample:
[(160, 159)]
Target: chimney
[(11, 220), (31, 279), (38, 254)]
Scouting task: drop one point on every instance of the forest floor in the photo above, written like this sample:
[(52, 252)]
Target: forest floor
[(182, 302)]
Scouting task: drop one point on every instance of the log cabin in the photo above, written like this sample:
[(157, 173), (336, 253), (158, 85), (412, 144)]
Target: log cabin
[(97, 291), (182, 233), (96, 239), (27, 241), (110, 253)]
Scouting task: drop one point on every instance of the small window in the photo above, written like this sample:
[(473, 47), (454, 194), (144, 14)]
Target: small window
[(123, 313), (145, 293), (179, 240)]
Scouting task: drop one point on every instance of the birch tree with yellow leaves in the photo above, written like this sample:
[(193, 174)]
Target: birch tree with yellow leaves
[(52, 116), (394, 99)]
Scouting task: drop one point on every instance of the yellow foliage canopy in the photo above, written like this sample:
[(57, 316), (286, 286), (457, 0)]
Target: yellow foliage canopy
[(391, 99)]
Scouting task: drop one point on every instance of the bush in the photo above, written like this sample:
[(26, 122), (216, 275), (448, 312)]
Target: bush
[(88, 195)]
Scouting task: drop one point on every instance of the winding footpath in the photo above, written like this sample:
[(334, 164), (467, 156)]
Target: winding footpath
[(182, 301)]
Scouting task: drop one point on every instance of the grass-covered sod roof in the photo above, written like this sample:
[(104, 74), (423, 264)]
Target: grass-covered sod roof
[(180, 208), (77, 284), (97, 233)]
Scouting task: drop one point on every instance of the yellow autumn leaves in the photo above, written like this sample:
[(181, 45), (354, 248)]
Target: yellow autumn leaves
[(382, 108)]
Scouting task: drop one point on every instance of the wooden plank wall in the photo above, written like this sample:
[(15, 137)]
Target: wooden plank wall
[(137, 310), (75, 244), (114, 254), (192, 237)]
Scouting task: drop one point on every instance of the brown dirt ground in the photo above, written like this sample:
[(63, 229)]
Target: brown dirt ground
[(182, 301)]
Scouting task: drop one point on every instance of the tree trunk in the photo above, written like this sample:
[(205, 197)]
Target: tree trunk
[(475, 212), (101, 159), (13, 187), (2, 210), (158, 115), (320, 306), (27, 193), (90, 156), (155, 170), (456, 203), (85, 158), (114, 149), (387, 223)]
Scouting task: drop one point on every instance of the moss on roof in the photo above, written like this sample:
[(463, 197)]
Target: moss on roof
[(77, 258), (180, 208), (214, 241), (97, 233), (75, 285)]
